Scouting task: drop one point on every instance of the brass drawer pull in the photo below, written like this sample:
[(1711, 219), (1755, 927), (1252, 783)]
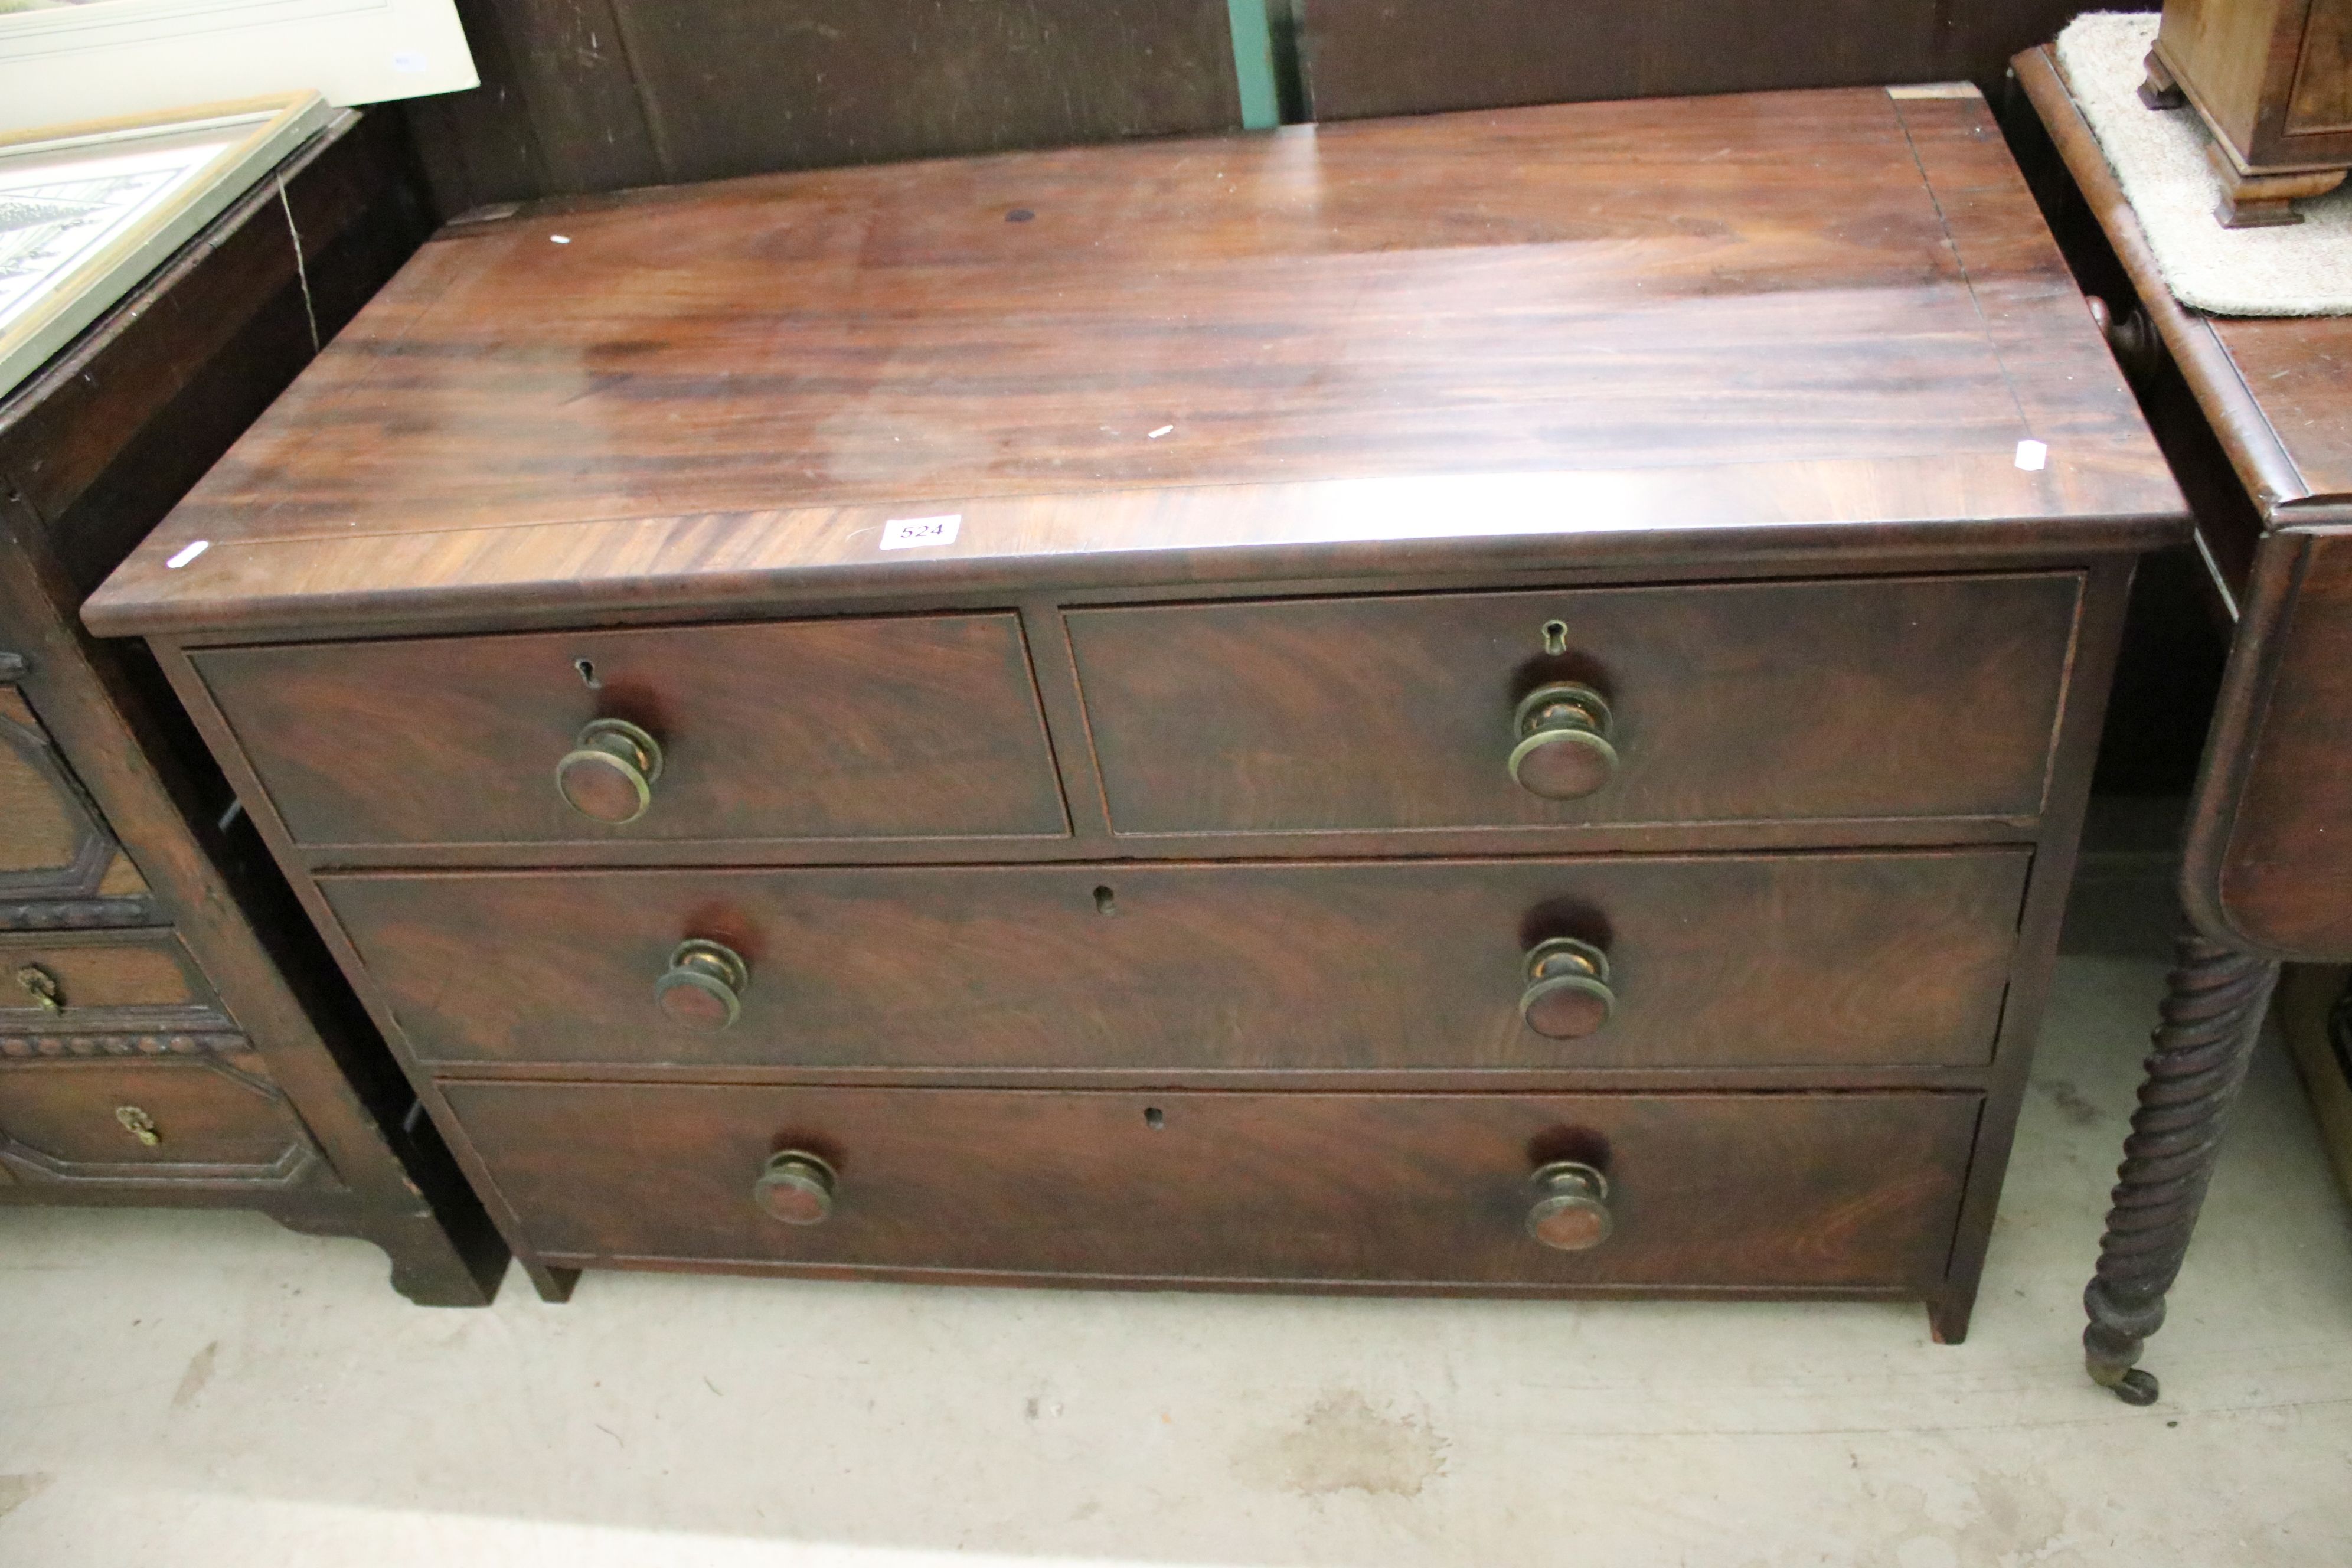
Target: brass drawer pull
[(796, 1188), (1561, 749), (1570, 1212), (608, 775), (702, 989), (42, 987), (1568, 995)]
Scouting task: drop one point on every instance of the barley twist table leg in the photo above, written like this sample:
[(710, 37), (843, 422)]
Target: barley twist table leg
[(2213, 1014)]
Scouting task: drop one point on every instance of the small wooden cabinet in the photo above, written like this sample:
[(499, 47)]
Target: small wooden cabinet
[(171, 1030), (2272, 80), (1499, 703)]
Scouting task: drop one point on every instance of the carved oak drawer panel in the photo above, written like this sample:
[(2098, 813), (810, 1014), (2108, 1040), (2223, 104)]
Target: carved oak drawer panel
[(208, 1118), (1854, 1190), (58, 863), (102, 981), (1750, 701), (919, 727), (1719, 961)]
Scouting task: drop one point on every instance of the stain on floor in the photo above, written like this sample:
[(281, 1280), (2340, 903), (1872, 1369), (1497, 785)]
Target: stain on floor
[(17, 1491), (2070, 1102), (199, 1373), (1345, 1444)]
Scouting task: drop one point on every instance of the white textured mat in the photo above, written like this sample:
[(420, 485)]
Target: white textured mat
[(2301, 269)]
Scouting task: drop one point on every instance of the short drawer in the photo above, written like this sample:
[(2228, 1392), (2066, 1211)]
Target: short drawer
[(52, 844), (1856, 1190), (915, 727), (102, 979), (145, 1120), (1866, 699), (1698, 961)]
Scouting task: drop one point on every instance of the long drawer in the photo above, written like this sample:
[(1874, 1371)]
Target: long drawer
[(1852, 1190), (145, 1120), (913, 726), (1698, 961), (1791, 702)]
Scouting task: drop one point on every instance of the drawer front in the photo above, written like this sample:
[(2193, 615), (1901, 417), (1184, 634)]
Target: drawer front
[(1763, 701), (146, 1121), (919, 727), (52, 844), (101, 980), (1711, 960), (1780, 1190)]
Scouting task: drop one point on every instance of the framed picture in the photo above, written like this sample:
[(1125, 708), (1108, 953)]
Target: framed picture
[(77, 59), (88, 210)]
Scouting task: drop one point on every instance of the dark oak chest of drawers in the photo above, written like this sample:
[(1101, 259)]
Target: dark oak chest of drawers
[(170, 1032), (1498, 702)]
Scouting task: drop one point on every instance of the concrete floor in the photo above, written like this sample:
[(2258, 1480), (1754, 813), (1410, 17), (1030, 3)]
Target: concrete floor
[(213, 1390)]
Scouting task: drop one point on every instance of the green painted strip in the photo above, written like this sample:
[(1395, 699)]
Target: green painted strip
[(1254, 64)]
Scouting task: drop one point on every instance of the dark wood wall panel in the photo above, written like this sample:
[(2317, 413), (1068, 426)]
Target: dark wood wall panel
[(1411, 56), (599, 95)]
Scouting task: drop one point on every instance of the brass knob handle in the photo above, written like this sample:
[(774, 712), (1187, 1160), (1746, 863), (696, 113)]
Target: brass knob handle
[(1568, 995), (42, 987), (1571, 1211), (608, 775), (702, 989), (1563, 750), (796, 1188)]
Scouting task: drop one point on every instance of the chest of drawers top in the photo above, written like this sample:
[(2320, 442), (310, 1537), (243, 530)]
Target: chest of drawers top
[(1605, 335)]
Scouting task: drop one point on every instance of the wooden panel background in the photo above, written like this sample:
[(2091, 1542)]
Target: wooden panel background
[(600, 95), (1365, 58), (582, 96)]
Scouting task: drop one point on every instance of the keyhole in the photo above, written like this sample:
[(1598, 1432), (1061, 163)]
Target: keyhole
[(1154, 1118), (587, 669), (1105, 903), (1555, 638)]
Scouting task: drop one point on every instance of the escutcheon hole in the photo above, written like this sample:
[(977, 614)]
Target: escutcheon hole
[(587, 669), (1105, 902), (1555, 638), (1154, 1118)]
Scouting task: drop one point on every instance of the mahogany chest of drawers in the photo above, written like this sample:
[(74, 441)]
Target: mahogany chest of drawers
[(1498, 702)]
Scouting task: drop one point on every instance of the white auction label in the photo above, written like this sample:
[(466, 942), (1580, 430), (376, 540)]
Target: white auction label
[(914, 532)]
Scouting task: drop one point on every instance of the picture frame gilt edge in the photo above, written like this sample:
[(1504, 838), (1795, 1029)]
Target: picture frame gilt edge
[(282, 121)]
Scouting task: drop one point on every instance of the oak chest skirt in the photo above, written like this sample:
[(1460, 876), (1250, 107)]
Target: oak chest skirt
[(1497, 702)]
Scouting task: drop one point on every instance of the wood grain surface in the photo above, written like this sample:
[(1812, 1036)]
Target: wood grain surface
[(1727, 703), (2298, 370), (2282, 859), (1801, 960), (98, 972), (47, 836), (1584, 332), (209, 1123), (1785, 1190), (917, 726)]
